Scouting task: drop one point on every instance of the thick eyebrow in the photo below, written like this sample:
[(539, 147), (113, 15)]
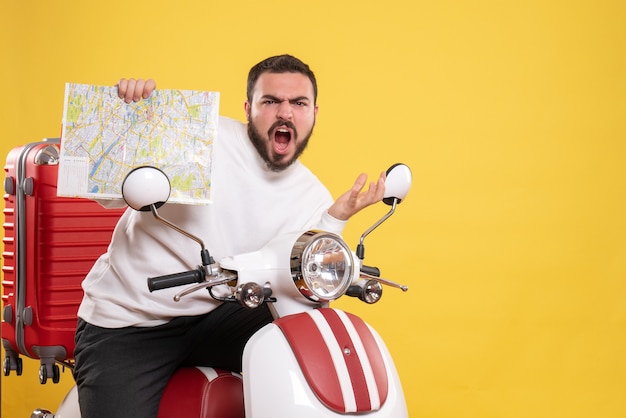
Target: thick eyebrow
[(293, 100)]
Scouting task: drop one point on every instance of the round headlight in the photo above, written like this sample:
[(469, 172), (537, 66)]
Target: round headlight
[(322, 266)]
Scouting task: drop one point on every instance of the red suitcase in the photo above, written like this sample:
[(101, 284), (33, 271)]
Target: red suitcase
[(50, 243)]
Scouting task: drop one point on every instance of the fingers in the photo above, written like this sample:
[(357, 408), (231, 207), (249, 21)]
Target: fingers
[(360, 199), (131, 90), (373, 194), (359, 184), (122, 85), (379, 189), (148, 88), (355, 199)]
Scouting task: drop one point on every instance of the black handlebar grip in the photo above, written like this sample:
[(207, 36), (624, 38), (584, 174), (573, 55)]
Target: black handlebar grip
[(176, 279), (372, 271)]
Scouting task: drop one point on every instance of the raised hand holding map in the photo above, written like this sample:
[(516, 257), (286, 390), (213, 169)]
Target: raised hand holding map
[(104, 138)]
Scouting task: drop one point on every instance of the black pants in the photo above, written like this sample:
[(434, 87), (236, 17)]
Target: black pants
[(122, 372)]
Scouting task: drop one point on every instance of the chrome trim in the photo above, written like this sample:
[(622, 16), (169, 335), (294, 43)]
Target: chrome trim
[(298, 251)]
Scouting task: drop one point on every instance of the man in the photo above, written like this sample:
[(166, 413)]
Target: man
[(129, 341)]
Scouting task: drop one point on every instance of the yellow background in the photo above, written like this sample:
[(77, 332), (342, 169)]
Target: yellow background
[(511, 115)]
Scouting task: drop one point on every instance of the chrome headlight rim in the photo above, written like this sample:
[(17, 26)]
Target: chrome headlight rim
[(305, 255)]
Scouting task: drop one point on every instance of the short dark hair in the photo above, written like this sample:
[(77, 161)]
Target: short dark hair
[(280, 64)]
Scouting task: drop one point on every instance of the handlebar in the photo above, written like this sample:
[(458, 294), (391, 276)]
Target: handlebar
[(177, 279), (370, 270)]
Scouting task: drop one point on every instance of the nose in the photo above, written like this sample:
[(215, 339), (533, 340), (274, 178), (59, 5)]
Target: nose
[(284, 110)]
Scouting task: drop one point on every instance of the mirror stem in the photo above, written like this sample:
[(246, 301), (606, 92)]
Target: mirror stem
[(360, 249), (207, 260)]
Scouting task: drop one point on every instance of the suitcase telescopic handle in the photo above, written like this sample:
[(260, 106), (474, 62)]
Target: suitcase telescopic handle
[(177, 279)]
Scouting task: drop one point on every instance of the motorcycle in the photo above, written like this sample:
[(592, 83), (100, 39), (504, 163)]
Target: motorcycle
[(312, 360)]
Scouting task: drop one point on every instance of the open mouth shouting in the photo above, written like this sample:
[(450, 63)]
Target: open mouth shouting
[(282, 134), (281, 147)]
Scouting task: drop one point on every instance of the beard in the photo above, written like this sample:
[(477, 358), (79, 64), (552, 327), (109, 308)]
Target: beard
[(274, 161)]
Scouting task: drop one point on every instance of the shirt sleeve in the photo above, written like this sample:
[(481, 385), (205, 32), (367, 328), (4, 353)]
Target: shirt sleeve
[(331, 224)]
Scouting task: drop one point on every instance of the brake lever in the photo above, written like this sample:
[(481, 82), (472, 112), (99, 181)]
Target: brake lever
[(221, 278), (385, 281)]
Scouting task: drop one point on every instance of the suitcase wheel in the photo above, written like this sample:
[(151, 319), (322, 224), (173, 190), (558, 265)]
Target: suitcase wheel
[(43, 373), (12, 364)]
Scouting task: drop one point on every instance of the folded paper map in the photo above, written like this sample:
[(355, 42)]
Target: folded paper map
[(104, 138)]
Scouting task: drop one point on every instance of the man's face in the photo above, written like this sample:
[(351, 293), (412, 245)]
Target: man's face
[(281, 117)]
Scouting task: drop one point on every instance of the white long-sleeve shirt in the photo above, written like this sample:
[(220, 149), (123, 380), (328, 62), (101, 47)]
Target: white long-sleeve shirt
[(250, 205)]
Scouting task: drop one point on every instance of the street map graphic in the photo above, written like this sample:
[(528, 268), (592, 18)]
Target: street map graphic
[(104, 138)]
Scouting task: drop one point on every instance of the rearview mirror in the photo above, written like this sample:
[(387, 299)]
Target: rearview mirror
[(397, 184), (145, 187)]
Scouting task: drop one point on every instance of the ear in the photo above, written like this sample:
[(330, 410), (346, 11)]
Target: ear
[(246, 108)]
